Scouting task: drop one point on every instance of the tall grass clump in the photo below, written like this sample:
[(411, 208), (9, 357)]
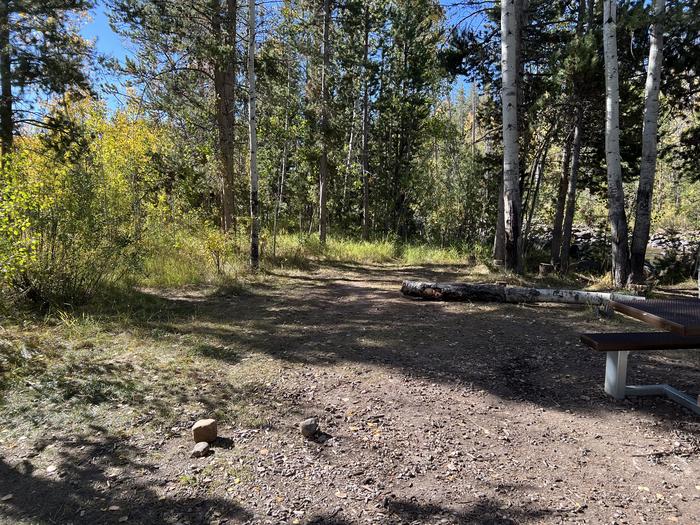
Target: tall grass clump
[(349, 250)]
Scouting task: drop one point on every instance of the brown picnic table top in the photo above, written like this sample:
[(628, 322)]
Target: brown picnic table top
[(680, 316)]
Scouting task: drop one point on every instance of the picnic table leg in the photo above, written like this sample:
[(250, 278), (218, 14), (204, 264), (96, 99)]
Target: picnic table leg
[(616, 374)]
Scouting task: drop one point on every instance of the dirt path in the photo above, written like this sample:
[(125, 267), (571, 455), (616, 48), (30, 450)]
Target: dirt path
[(437, 413)]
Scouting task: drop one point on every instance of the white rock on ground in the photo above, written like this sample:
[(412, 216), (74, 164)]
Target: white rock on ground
[(204, 430), (200, 450)]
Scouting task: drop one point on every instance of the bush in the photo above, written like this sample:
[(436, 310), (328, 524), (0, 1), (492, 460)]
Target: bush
[(78, 220), (16, 199)]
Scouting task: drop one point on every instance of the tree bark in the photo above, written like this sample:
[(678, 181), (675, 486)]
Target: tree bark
[(499, 239), (506, 294), (616, 196), (252, 128), (225, 89), (348, 158), (571, 191), (512, 205), (555, 254), (475, 105), (323, 164), (642, 221), (6, 119)]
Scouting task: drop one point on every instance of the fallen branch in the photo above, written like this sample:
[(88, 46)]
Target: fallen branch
[(507, 294)]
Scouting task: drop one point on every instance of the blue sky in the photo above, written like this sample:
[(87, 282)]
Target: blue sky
[(107, 41)]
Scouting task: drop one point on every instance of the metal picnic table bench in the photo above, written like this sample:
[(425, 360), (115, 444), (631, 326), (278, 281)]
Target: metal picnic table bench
[(681, 319)]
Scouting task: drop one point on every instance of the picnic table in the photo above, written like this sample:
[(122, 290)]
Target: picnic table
[(680, 316), (681, 320)]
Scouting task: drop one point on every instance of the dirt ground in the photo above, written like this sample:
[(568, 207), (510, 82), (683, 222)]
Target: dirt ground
[(435, 413)]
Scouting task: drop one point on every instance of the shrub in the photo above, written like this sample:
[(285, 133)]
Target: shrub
[(16, 199), (79, 215)]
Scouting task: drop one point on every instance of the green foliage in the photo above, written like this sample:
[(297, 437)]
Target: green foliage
[(81, 204), (17, 245)]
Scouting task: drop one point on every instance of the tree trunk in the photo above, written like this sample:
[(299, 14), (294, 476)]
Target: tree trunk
[(555, 255), (571, 191), (506, 294), (6, 120), (499, 240), (323, 164), (697, 270), (642, 221), (225, 89), (348, 158), (616, 196), (475, 104), (252, 127), (512, 206)]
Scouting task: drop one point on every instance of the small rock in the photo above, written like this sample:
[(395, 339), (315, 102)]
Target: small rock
[(114, 508), (123, 519), (7, 497), (200, 450), (51, 469), (204, 430), (309, 427)]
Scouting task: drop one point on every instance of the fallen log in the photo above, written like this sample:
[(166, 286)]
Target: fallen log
[(507, 294)]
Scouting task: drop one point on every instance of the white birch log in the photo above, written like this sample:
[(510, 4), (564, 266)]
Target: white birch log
[(507, 294)]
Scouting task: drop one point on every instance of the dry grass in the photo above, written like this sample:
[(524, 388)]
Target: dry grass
[(122, 366)]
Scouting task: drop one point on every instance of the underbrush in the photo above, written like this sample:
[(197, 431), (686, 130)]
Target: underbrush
[(197, 254)]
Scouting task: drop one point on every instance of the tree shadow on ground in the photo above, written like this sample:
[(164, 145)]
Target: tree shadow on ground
[(525, 355), (85, 489), (485, 511), (521, 353)]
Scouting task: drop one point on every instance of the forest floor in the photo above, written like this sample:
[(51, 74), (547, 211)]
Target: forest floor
[(433, 412)]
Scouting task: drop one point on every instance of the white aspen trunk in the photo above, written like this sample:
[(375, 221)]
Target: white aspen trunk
[(642, 220), (252, 128), (616, 197), (512, 206)]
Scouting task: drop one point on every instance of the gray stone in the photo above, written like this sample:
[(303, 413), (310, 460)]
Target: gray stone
[(309, 427), (200, 450)]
